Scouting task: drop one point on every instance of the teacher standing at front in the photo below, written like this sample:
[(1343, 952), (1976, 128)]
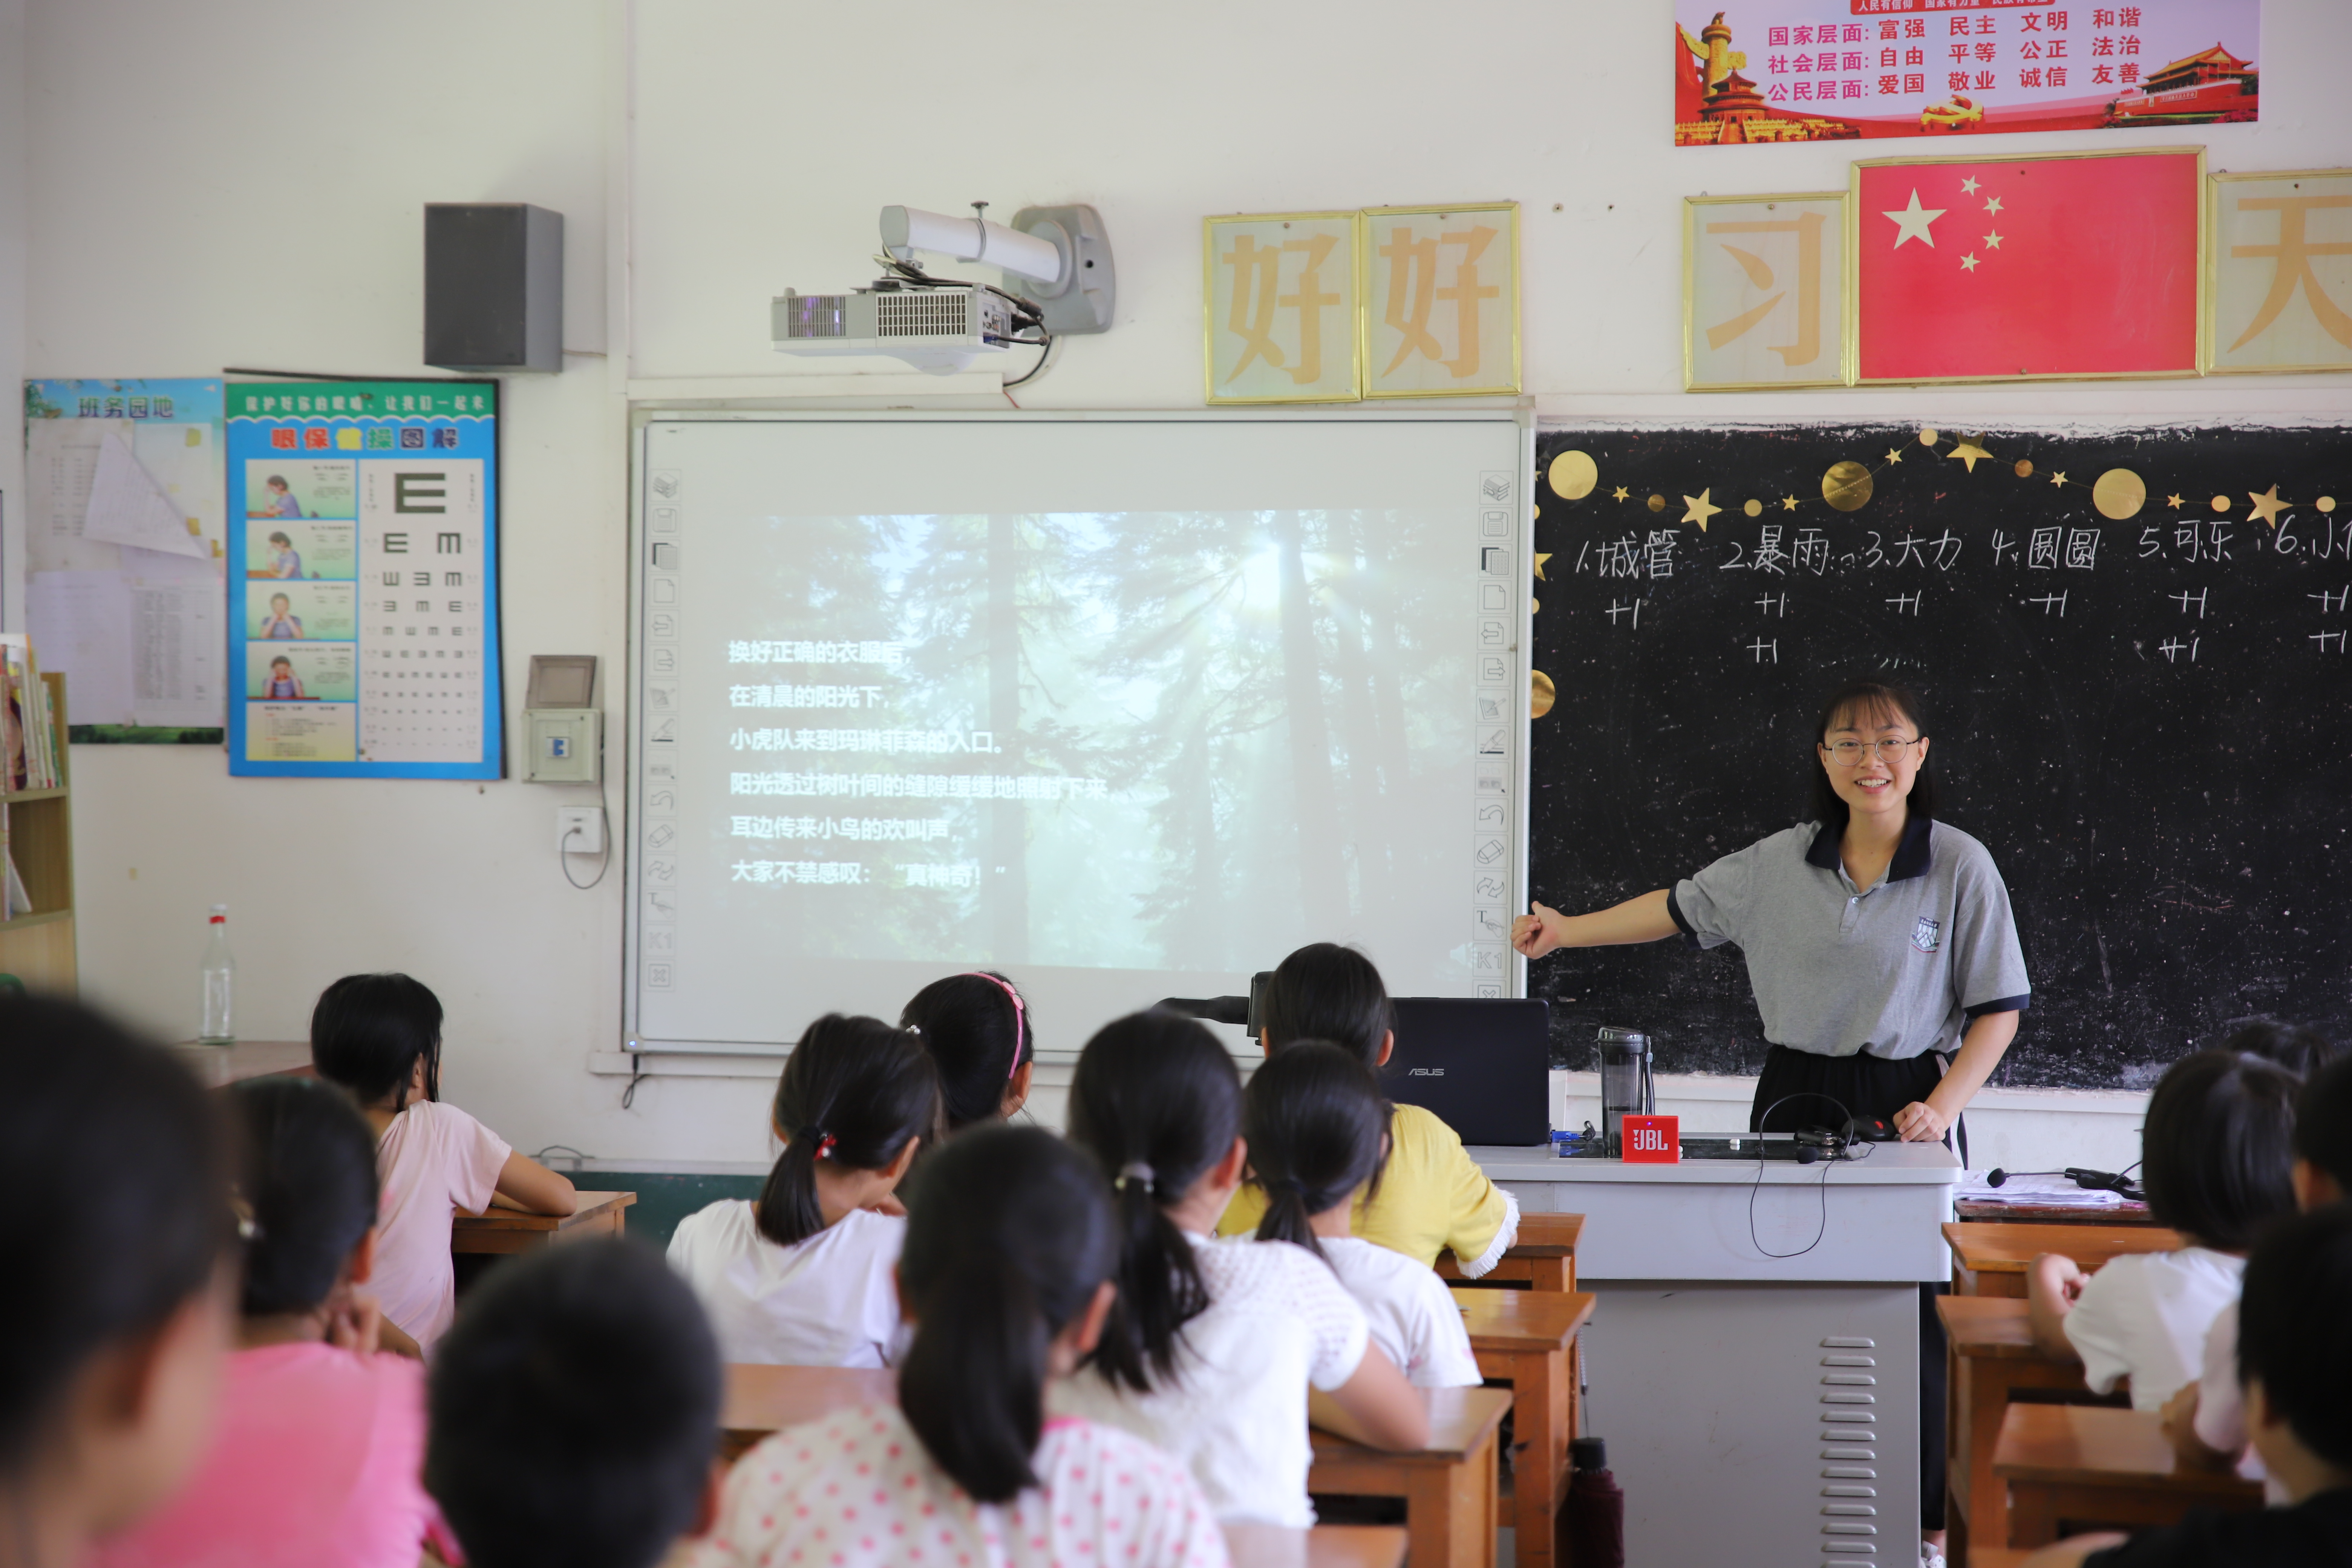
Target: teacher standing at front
[(1882, 955)]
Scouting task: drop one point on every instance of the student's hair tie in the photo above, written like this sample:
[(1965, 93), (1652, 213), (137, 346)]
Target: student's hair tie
[(1287, 1184), (1134, 1171), (1020, 1023), (820, 1137)]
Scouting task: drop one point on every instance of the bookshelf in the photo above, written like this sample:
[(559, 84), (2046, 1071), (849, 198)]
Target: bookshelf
[(38, 948)]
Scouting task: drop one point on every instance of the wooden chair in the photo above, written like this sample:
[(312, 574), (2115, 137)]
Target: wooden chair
[(1992, 1359), (759, 1400), (2075, 1468), (512, 1230), (1992, 1260), (1527, 1339), (1325, 1546), (1543, 1258), (1451, 1512)]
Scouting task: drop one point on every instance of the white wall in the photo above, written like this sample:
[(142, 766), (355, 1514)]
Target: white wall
[(11, 314), (239, 183)]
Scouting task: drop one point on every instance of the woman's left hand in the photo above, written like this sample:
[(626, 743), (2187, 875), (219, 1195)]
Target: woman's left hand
[(1921, 1122)]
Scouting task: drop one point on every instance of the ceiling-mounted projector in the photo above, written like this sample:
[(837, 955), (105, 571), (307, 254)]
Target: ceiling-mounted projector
[(1057, 266)]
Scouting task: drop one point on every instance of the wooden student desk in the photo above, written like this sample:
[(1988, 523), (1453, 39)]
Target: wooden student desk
[(2074, 1468), (217, 1066), (512, 1230), (1543, 1258), (1451, 1509), (1992, 1358), (1325, 1546), (1977, 1211), (1527, 1339), (1992, 1260)]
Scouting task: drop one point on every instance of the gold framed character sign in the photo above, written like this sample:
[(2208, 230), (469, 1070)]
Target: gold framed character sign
[(1280, 312), (2279, 271), (1764, 292), (1440, 287)]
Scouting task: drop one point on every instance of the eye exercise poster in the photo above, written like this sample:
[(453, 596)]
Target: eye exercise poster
[(1844, 70), (362, 544)]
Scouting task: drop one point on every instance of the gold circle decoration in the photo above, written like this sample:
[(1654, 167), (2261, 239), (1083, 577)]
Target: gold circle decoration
[(2325, 503), (1846, 486), (2119, 494), (2024, 467), (1754, 509), (2220, 503), (1657, 503), (1929, 436), (1573, 475), (1541, 694)]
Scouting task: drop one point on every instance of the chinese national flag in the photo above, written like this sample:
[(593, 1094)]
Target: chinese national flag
[(2045, 267)]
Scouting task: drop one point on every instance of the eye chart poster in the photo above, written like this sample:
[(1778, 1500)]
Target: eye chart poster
[(363, 593)]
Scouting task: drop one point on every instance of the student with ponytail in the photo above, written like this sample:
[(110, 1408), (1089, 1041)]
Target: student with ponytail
[(1012, 1243), (317, 1458), (801, 1277), (1318, 1129), (980, 1037), (1213, 1346)]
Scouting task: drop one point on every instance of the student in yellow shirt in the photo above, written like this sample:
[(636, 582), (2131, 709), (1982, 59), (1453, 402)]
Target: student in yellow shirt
[(1433, 1196)]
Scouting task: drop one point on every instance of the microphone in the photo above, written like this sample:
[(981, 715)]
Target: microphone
[(1997, 1177), (1215, 1009)]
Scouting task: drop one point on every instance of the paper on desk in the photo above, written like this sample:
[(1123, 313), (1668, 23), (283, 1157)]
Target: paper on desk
[(2042, 1192), (128, 507), (80, 621)]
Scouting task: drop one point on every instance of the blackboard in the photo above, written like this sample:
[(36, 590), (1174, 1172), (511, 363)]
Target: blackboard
[(2141, 709)]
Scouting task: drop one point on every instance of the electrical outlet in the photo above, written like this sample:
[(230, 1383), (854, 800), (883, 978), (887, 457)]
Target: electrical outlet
[(579, 829)]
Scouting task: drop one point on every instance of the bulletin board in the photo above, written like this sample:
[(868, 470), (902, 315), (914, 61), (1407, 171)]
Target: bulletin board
[(363, 584)]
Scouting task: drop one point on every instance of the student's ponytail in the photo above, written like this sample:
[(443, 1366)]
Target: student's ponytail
[(306, 1181), (1010, 1234), (1317, 1130), (1156, 1101), (854, 1091)]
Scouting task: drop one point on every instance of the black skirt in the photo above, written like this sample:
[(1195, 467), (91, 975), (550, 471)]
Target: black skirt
[(1863, 1086)]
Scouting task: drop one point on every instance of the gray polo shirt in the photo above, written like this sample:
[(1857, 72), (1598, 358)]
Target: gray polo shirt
[(1894, 970)]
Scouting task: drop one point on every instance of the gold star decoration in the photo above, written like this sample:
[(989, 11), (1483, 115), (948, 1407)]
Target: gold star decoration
[(1699, 510), (1992, 204), (1969, 452), (2172, 501), (1968, 186), (1788, 503), (1992, 240), (1619, 493), (1894, 454), (2059, 477), (1542, 556), (1911, 223), (2267, 506), (1967, 264)]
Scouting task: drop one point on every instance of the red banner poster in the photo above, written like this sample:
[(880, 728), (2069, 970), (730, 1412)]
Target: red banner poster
[(2059, 267)]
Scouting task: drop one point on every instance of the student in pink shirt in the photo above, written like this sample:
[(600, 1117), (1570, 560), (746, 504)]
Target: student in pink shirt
[(379, 1037), (318, 1459), (118, 1299)]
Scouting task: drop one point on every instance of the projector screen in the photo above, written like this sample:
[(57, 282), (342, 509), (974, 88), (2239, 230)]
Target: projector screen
[(1124, 706)]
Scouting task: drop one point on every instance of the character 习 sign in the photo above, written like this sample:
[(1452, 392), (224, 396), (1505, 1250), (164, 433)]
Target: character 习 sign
[(1764, 292), (1842, 70)]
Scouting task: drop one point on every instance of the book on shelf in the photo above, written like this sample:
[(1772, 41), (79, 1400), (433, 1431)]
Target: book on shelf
[(29, 738)]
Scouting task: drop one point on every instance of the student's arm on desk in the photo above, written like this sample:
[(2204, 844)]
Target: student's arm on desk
[(530, 1187), (2052, 1285), (1376, 1407), (2069, 1553)]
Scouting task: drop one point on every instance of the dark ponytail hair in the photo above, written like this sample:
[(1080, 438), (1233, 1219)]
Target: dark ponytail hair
[(979, 1031), (854, 1091), (1009, 1232), (1326, 991), (306, 1174), (1318, 1127), (1156, 1101), (1868, 704), (111, 1156), (367, 1032)]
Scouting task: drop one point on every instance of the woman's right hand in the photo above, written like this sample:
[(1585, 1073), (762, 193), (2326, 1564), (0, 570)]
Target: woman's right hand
[(1537, 933)]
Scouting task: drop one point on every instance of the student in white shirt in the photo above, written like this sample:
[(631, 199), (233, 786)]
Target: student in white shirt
[(802, 1276), (1011, 1245), (2216, 1148), (1318, 1127), (1213, 1346), (2207, 1419)]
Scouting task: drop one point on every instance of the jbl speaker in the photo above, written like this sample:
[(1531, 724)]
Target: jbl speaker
[(493, 286)]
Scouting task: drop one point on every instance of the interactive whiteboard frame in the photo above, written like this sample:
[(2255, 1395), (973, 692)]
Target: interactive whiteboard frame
[(646, 414)]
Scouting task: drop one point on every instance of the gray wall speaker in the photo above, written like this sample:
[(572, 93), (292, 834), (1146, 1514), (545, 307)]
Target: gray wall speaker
[(493, 287)]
